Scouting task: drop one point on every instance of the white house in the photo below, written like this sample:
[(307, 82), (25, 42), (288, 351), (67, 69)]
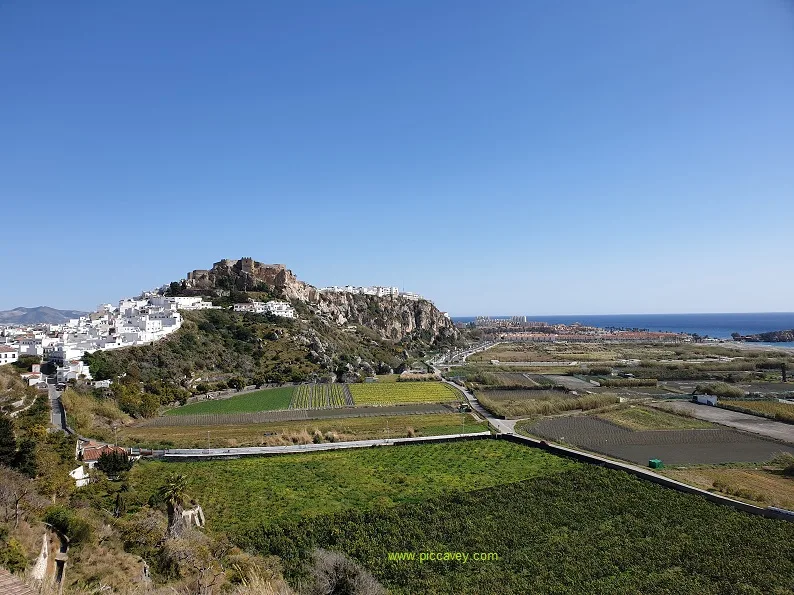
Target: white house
[(73, 370), (80, 476), (275, 307), (8, 355), (278, 308)]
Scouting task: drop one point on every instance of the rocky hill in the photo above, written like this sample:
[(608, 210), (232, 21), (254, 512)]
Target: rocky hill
[(335, 337), (770, 337), (38, 315), (393, 317)]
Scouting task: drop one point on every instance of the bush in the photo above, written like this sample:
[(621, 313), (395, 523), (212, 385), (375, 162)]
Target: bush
[(719, 389), (12, 556), (65, 521)]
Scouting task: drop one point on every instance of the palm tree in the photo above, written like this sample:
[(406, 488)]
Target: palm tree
[(173, 493)]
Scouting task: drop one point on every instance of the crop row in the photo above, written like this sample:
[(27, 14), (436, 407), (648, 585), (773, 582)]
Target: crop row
[(321, 396), (403, 392)]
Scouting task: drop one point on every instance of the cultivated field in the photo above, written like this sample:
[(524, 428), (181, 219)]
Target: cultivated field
[(644, 418), (526, 403), (394, 424), (587, 530), (771, 409), (247, 492), (321, 396), (707, 446), (403, 392), (258, 417), (262, 400)]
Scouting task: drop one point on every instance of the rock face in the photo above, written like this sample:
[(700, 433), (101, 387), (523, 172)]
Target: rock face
[(771, 337), (392, 317)]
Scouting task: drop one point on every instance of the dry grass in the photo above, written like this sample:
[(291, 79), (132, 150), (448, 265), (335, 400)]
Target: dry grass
[(761, 486), (642, 418), (530, 407), (90, 416), (293, 432)]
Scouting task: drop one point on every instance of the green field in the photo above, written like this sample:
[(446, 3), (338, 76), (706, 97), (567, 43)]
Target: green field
[(587, 530), (247, 492), (261, 400), (403, 392)]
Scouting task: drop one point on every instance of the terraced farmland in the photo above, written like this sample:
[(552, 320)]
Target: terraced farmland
[(403, 392), (321, 396)]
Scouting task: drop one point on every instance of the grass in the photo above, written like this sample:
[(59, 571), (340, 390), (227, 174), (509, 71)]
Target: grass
[(642, 418), (403, 392), (526, 407), (90, 416), (771, 409), (261, 400), (246, 492), (276, 433), (765, 487)]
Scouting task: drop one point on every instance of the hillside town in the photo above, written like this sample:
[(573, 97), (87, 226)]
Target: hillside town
[(135, 321), (376, 290)]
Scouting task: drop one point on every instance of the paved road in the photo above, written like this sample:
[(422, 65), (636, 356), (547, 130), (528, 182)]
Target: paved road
[(740, 421), (56, 409), (503, 426)]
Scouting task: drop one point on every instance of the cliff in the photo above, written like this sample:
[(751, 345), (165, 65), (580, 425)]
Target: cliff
[(392, 317)]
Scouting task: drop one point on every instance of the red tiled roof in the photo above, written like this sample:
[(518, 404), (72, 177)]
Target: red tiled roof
[(7, 349), (10, 585), (93, 454)]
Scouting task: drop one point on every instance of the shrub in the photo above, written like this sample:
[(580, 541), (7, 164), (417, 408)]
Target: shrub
[(719, 389), (65, 521)]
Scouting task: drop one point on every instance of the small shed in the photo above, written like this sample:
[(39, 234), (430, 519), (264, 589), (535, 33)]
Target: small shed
[(655, 464)]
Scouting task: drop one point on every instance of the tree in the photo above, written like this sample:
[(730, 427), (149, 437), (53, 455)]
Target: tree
[(8, 443), (174, 494), (114, 463), (25, 458)]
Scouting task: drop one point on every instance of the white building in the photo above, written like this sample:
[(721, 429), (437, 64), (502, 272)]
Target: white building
[(8, 355), (275, 307), (73, 370), (80, 476)]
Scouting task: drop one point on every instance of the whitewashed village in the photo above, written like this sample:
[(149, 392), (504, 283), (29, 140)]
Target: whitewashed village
[(140, 320)]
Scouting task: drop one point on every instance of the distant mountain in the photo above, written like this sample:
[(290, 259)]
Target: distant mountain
[(40, 315)]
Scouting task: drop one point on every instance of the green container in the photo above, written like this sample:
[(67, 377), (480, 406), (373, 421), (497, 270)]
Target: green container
[(655, 464)]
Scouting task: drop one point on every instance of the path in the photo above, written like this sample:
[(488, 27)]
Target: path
[(57, 417), (173, 454), (741, 421)]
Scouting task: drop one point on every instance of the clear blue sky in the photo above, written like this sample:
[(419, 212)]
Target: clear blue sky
[(500, 158)]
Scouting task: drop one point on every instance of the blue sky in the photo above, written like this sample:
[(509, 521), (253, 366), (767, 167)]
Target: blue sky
[(500, 158)]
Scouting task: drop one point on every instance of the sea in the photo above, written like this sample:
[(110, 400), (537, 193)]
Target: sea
[(718, 326)]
